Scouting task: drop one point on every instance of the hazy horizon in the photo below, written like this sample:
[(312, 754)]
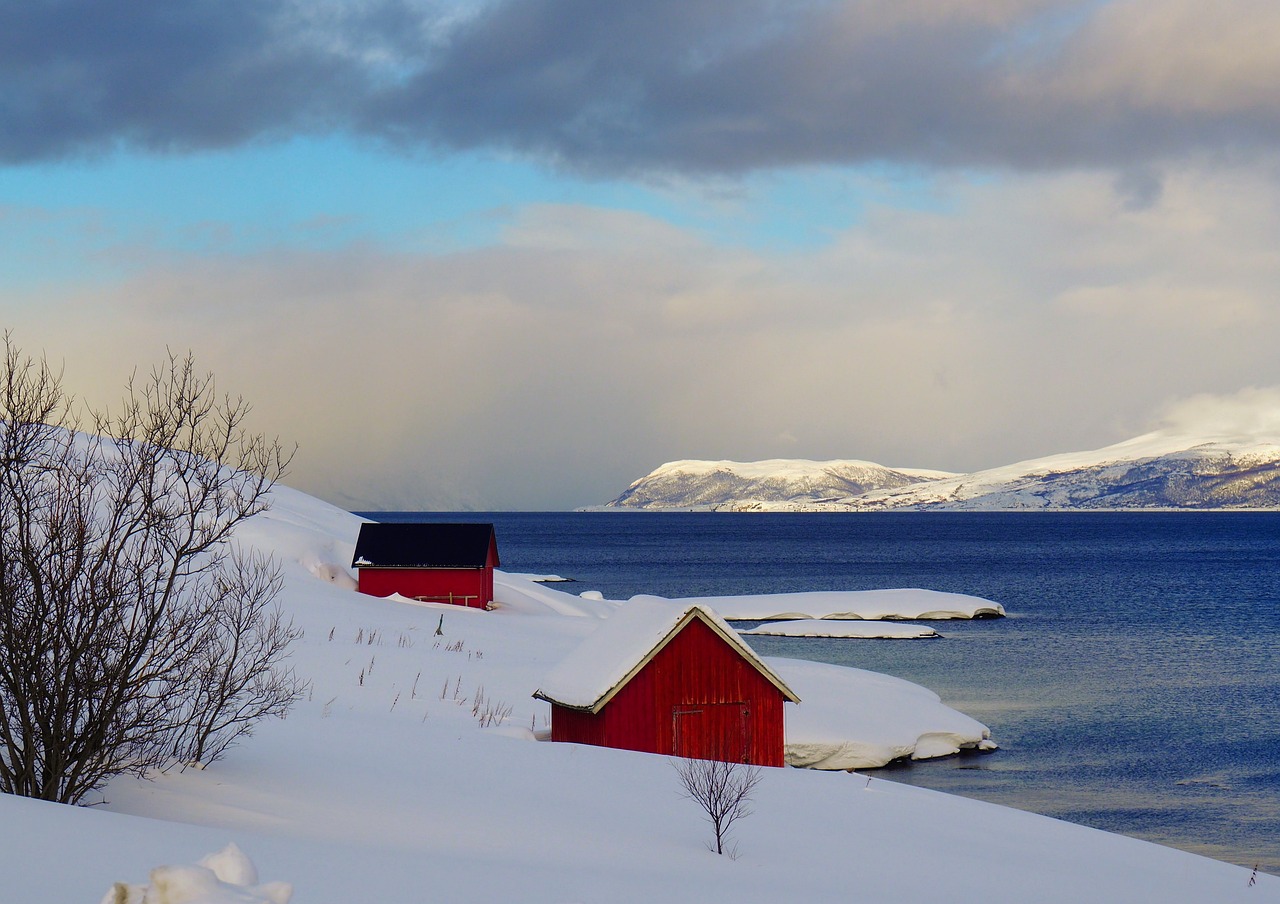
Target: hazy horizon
[(513, 256)]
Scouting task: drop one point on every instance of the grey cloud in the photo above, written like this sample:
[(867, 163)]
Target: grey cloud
[(1139, 189), (80, 76), (734, 85), (653, 86), (716, 85)]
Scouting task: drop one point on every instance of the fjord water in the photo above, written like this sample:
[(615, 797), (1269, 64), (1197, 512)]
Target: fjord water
[(1134, 687)]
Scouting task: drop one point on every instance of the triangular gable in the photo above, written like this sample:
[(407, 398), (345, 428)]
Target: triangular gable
[(421, 545), (590, 676)]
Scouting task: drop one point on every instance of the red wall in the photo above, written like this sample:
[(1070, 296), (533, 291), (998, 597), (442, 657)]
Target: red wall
[(699, 691), (434, 583)]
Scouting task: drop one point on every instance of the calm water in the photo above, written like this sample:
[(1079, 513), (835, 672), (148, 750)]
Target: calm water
[(1135, 686)]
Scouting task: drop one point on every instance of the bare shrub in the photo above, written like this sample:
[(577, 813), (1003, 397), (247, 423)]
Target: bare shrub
[(722, 789), (116, 570)]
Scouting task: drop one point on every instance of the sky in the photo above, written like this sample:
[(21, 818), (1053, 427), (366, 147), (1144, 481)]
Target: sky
[(514, 254)]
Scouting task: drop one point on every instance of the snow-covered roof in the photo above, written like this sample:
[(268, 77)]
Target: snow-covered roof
[(590, 676)]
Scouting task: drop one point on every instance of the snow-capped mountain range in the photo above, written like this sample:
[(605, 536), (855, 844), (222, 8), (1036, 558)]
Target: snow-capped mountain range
[(778, 481), (1160, 470)]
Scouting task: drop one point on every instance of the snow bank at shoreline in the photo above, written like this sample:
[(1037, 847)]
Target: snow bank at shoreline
[(854, 719)]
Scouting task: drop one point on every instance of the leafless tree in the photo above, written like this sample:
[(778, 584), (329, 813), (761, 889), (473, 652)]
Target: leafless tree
[(722, 789), (238, 679), (129, 633)]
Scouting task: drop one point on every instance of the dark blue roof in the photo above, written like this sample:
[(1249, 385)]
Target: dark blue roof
[(399, 545)]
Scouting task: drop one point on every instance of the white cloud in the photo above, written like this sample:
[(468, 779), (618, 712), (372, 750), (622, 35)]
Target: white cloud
[(1181, 56), (1021, 318), (1253, 412)]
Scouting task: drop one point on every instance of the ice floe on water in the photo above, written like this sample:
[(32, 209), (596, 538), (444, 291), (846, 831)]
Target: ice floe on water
[(907, 604), (826, 627)]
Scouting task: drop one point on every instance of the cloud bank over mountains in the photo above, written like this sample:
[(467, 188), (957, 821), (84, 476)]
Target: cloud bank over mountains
[(552, 366), (1253, 412)]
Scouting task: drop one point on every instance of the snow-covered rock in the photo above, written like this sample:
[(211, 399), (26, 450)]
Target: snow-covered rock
[(225, 877)]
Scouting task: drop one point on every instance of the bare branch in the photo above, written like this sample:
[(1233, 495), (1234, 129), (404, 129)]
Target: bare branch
[(128, 632), (238, 680)]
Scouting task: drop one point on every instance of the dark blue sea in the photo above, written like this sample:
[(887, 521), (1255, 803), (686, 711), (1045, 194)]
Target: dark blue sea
[(1135, 685)]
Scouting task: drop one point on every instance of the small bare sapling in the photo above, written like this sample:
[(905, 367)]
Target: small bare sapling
[(723, 790)]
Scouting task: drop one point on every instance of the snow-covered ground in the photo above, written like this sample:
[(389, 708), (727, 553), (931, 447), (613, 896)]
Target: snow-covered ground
[(382, 786)]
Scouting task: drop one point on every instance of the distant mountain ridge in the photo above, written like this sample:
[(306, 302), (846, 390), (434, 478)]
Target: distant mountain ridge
[(1160, 470), (711, 484)]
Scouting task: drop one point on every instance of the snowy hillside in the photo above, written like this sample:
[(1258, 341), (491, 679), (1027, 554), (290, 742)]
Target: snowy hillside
[(1157, 470), (1164, 470), (708, 484), (410, 772)]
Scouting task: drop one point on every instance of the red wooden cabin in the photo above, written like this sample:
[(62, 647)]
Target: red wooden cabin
[(663, 677), (437, 563)]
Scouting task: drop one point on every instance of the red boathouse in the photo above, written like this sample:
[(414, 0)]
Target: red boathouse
[(664, 677), (436, 563)]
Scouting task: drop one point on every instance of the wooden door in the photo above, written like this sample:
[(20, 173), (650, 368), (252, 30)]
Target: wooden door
[(712, 731)]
